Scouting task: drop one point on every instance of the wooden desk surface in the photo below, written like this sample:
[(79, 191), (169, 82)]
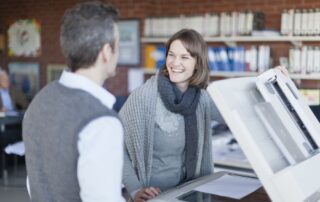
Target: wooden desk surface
[(186, 192), (194, 196), (258, 196)]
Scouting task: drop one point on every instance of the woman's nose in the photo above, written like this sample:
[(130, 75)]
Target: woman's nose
[(176, 61)]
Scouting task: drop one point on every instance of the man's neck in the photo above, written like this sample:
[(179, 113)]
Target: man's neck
[(92, 74)]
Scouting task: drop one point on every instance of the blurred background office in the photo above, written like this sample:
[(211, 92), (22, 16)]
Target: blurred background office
[(244, 37)]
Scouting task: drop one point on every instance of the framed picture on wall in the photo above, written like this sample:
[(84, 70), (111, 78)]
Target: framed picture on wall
[(54, 71), (129, 46), (24, 38), (25, 76)]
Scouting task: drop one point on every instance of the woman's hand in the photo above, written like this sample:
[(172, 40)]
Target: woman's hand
[(146, 194)]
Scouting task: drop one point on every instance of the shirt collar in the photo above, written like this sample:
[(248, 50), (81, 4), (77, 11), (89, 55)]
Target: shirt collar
[(77, 81)]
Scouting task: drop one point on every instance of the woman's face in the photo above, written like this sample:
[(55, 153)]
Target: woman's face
[(180, 65)]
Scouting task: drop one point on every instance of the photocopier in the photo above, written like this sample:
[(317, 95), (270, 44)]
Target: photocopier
[(276, 130)]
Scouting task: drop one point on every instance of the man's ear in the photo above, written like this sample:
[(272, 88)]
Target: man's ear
[(106, 52)]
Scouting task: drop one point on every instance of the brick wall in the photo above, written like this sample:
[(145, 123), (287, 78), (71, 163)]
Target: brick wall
[(49, 12)]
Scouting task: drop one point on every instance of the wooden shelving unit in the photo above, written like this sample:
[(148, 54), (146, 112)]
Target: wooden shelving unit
[(233, 39), (313, 76)]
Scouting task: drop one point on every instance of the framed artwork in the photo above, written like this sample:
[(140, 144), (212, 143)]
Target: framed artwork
[(25, 76), (54, 71), (129, 46), (24, 38)]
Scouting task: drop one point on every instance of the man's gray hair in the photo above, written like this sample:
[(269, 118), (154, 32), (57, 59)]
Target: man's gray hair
[(85, 29)]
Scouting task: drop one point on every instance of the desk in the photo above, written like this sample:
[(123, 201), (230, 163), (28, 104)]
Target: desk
[(229, 157), (5, 122), (182, 191), (10, 120), (259, 195)]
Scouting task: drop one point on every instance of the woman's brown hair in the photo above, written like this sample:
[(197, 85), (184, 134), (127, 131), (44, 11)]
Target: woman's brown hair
[(197, 47)]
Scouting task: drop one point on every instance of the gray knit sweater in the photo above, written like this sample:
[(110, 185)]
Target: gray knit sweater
[(138, 116)]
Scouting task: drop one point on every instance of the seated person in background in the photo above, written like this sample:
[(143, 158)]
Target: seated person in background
[(11, 98)]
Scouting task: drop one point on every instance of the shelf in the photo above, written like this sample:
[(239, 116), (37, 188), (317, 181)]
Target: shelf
[(154, 39), (292, 39), (314, 76), (232, 74), (150, 71)]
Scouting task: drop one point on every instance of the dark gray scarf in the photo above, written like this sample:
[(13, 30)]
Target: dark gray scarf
[(185, 104)]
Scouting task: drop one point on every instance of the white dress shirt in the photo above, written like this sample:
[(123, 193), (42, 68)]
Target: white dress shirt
[(100, 147)]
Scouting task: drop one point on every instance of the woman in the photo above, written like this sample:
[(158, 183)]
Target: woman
[(167, 121)]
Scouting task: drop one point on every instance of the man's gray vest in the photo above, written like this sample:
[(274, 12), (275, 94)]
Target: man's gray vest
[(50, 132)]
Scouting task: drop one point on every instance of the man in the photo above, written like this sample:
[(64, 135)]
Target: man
[(73, 139), (12, 99)]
